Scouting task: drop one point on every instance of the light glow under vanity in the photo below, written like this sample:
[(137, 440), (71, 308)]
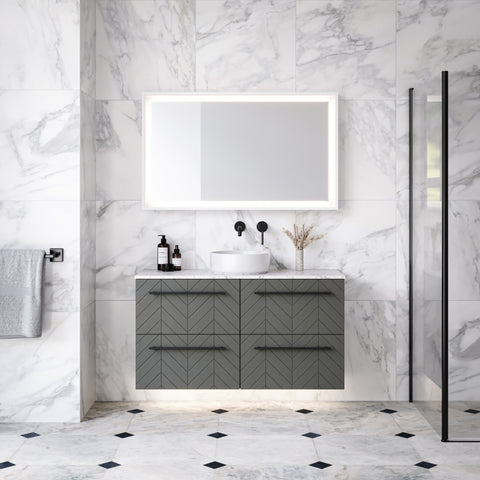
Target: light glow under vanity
[(279, 330)]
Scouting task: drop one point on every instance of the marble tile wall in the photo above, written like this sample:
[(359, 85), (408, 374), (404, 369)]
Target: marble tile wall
[(47, 199), (370, 51), (87, 203)]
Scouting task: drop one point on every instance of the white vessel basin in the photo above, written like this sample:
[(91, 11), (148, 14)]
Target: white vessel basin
[(242, 262)]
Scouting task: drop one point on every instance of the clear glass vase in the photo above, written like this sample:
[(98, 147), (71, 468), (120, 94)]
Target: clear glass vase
[(299, 260)]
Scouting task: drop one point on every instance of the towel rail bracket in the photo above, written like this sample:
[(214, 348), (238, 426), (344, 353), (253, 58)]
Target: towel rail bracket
[(55, 255)]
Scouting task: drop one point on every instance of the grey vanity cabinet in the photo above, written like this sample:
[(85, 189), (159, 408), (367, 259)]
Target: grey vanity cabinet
[(249, 333), (292, 361)]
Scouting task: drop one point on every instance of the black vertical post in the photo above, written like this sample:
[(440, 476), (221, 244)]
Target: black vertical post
[(444, 256), (410, 244)]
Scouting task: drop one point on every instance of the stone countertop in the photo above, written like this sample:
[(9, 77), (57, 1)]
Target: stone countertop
[(324, 274)]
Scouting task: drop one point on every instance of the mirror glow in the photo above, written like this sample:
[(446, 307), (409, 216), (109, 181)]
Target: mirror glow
[(242, 151)]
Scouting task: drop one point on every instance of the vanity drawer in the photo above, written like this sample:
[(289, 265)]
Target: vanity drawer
[(187, 361), (292, 361), (187, 307), (292, 307)]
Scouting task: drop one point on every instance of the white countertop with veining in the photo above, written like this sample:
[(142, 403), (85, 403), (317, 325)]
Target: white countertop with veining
[(324, 274)]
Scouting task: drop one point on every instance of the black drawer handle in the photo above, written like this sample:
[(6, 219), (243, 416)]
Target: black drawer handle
[(293, 348), (187, 348), (155, 292), (293, 293)]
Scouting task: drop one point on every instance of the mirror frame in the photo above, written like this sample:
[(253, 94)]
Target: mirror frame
[(331, 204)]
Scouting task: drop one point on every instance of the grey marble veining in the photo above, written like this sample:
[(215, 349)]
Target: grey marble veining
[(119, 143), (447, 32), (245, 45), (87, 47), (144, 46), (368, 151), (359, 241), (39, 145), (41, 50), (347, 47), (127, 237), (43, 380)]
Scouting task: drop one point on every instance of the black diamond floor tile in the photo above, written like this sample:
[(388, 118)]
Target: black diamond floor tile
[(135, 411), (304, 411), (219, 411), (472, 410), (214, 465), (6, 465), (124, 435), (311, 435), (320, 465), (387, 410), (30, 435), (405, 435), (426, 465), (108, 465), (217, 435)]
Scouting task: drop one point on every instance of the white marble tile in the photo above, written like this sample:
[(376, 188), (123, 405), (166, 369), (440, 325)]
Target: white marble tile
[(360, 242), (464, 254), (215, 231), (87, 46), (164, 471), (115, 351), (446, 453), (156, 449), (40, 45), (87, 147), (65, 450), (464, 351), (245, 45), (127, 237), (433, 36), (39, 145), (42, 383), (51, 472), (44, 225), (87, 358), (119, 150), (401, 349), (367, 150), (375, 472), (464, 148), (87, 253), (370, 350), (263, 450), (365, 450), (456, 472), (346, 47), (144, 46)]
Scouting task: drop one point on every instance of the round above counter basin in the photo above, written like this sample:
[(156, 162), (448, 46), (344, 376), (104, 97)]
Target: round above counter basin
[(239, 261)]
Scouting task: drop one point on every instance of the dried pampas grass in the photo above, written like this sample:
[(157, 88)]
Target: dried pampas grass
[(302, 237)]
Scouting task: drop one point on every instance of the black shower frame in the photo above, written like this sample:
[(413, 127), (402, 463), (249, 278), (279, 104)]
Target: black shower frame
[(445, 247)]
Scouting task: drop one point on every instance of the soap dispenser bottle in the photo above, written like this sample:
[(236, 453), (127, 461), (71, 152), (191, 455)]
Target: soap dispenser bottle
[(163, 253), (177, 258)]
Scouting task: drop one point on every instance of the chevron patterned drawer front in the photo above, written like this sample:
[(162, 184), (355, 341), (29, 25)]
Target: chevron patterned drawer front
[(187, 306), (187, 361), (254, 333), (281, 307), (292, 361)]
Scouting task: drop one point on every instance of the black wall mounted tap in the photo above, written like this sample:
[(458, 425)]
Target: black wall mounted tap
[(239, 228), (262, 227)]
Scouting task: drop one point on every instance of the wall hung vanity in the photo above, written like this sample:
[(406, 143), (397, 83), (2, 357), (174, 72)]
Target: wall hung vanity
[(280, 330), (214, 151)]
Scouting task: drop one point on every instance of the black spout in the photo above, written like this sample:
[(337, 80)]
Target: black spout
[(239, 228), (262, 228)]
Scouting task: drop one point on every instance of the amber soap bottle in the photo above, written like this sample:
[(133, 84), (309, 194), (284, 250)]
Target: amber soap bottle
[(177, 258)]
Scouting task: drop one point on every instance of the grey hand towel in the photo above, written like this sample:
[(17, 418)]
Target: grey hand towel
[(21, 292)]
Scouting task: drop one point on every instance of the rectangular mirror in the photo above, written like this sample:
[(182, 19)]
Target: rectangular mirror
[(240, 151)]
